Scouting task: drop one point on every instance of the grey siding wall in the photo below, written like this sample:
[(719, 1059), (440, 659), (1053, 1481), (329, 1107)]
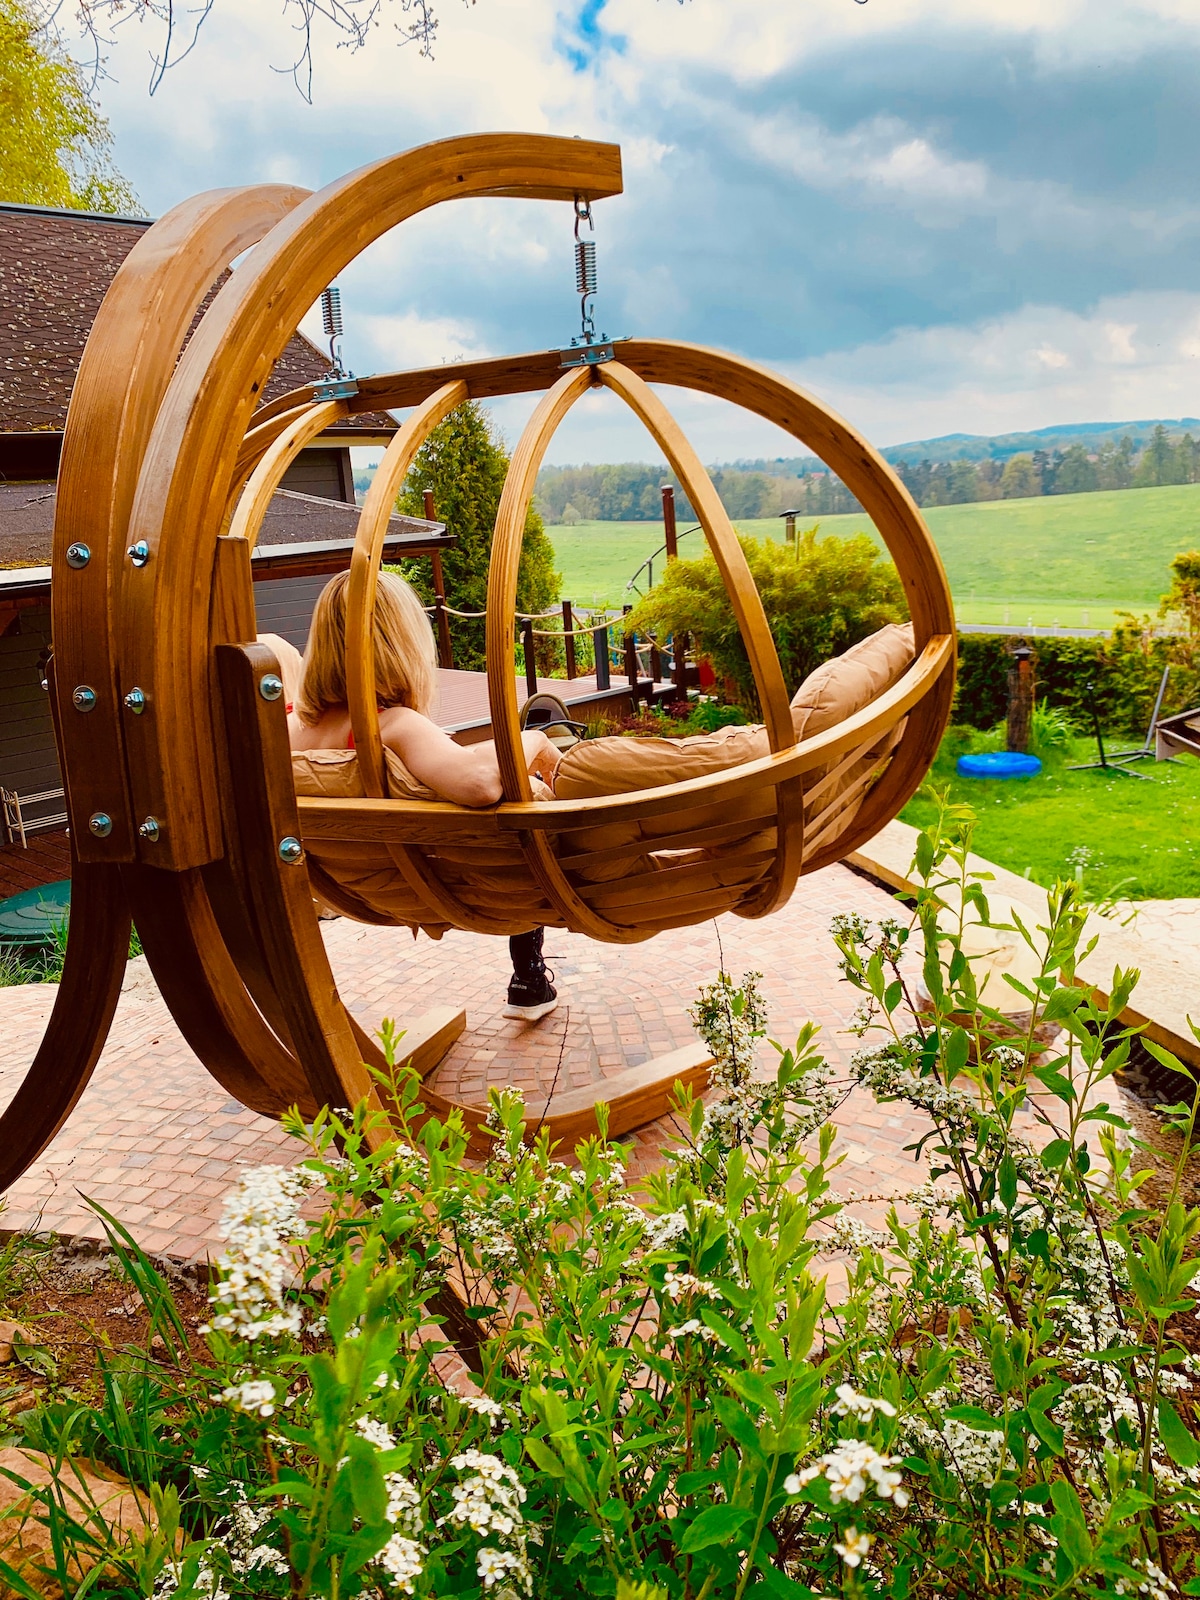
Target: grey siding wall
[(285, 606), (323, 472), (28, 759)]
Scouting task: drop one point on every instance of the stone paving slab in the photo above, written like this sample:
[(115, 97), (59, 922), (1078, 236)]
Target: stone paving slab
[(158, 1142)]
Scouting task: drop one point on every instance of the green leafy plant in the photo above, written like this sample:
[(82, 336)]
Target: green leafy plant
[(667, 1400), (821, 595)]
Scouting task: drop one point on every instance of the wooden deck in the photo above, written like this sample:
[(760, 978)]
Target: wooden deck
[(463, 699)]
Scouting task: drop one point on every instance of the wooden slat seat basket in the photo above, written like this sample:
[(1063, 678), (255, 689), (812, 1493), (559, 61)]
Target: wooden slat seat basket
[(176, 762)]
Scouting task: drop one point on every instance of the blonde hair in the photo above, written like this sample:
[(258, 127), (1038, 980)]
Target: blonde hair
[(405, 656)]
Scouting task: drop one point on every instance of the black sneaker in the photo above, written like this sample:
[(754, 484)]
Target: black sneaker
[(531, 995)]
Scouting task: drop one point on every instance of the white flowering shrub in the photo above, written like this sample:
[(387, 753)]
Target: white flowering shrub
[(533, 1378)]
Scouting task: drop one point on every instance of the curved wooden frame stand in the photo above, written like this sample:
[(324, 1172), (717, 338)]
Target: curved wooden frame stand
[(172, 733)]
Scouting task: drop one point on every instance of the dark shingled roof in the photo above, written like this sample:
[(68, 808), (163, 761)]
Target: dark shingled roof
[(27, 522), (55, 267)]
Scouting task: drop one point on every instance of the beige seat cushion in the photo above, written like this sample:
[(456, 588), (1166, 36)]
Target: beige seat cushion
[(615, 765)]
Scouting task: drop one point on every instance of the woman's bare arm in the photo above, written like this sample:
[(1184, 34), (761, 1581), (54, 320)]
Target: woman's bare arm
[(467, 775)]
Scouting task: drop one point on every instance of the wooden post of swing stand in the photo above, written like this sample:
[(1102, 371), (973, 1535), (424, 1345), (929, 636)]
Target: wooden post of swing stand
[(631, 663), (1020, 699), (445, 650), (600, 651), (527, 647), (679, 669), (669, 537), (569, 639)]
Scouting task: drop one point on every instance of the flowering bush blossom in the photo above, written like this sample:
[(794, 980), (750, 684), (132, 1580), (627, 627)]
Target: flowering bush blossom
[(999, 1401)]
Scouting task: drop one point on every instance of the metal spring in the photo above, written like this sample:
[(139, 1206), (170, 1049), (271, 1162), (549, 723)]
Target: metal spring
[(331, 311), (585, 266)]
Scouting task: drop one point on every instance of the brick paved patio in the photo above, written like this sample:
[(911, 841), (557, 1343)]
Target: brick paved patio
[(158, 1142)]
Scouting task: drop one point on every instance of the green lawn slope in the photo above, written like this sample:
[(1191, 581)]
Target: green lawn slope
[(1071, 559), (1134, 840)]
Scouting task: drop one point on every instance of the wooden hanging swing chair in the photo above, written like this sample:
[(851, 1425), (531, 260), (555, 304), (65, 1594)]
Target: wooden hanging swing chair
[(170, 721)]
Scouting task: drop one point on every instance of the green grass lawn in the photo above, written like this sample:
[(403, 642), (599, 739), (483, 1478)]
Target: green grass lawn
[(1142, 840), (1073, 559)]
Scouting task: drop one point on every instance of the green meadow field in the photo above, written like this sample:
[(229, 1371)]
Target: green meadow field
[(1069, 559)]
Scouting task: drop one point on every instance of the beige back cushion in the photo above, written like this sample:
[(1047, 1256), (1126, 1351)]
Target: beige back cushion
[(846, 683), (334, 775)]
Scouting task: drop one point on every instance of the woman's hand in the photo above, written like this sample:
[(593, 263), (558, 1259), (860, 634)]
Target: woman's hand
[(541, 757)]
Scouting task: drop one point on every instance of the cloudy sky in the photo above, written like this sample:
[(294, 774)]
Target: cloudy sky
[(941, 215)]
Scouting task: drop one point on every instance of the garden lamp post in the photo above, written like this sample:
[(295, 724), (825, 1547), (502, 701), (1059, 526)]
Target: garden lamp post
[(1020, 698)]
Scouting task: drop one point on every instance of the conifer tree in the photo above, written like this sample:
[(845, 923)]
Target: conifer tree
[(464, 462)]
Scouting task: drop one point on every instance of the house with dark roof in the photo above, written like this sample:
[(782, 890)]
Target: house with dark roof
[(55, 268)]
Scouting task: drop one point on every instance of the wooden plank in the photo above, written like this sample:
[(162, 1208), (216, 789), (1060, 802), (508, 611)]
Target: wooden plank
[(206, 994), (666, 882), (364, 579), (130, 356), (634, 1097), (689, 839), (298, 430), (210, 401), (84, 1006)]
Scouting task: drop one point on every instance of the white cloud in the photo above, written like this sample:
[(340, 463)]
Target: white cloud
[(410, 340), (458, 281), (1130, 357)]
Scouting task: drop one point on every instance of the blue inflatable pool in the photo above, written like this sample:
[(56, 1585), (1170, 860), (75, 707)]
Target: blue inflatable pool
[(998, 764)]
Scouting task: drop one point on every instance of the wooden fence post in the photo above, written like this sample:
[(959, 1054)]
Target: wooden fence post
[(631, 663), (669, 538), (569, 639), (531, 686), (600, 650), (445, 649)]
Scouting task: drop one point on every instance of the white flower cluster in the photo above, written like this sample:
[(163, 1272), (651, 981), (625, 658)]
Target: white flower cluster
[(862, 1407), (677, 1284), (848, 1468), (378, 1433), (484, 1406), (978, 1456), (853, 1546), (206, 1584), (730, 1026), (1155, 1583), (404, 1503), (403, 1560), (256, 1397), (489, 1503), (260, 1219), (664, 1230), (845, 1232), (239, 1532), (693, 1325)]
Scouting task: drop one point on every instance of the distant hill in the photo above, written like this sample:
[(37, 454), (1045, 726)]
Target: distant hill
[(994, 447)]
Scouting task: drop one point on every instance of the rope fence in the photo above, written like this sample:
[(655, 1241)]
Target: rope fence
[(584, 632)]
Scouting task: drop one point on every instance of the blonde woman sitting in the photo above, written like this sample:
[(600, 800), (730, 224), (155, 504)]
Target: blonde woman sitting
[(406, 686)]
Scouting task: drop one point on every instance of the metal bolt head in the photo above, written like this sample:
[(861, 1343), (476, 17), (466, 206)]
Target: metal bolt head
[(78, 555), (270, 687), (100, 823), (139, 553), (135, 701), (83, 698), (150, 829), (290, 850)]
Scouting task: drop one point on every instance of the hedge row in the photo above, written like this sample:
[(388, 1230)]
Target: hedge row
[(1125, 673)]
